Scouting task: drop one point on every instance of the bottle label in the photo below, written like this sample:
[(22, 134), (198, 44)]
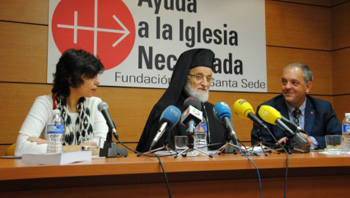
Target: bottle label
[(200, 140), (55, 129), (201, 128), (346, 128)]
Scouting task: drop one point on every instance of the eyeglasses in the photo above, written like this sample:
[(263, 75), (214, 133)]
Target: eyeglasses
[(200, 77)]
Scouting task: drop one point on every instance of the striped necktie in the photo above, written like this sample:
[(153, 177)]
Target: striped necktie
[(296, 114)]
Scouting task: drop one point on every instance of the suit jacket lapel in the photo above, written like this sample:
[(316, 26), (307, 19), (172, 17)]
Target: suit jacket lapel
[(309, 116), (282, 108)]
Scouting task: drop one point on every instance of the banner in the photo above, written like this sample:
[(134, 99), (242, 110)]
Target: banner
[(139, 41)]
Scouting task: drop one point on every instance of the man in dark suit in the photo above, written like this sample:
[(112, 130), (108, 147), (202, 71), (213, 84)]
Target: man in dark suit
[(315, 116)]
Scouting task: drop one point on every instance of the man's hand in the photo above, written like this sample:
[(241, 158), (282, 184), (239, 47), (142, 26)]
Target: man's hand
[(37, 140), (306, 137), (303, 135), (282, 140)]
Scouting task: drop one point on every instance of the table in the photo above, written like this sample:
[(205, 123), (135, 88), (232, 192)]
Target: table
[(311, 174)]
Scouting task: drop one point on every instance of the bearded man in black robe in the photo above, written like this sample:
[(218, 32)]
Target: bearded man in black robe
[(192, 77)]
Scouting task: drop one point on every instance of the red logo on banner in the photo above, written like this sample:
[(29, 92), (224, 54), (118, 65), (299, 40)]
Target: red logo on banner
[(105, 28)]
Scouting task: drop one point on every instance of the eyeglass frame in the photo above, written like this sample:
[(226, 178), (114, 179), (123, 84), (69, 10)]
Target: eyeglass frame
[(200, 78)]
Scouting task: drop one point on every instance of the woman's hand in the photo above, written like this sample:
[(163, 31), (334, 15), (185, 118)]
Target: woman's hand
[(37, 140)]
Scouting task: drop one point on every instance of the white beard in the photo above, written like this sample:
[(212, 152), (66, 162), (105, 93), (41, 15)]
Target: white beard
[(203, 97)]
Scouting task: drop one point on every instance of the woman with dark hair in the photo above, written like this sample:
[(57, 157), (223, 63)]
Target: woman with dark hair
[(75, 82)]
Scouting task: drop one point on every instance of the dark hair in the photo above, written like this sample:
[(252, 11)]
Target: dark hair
[(72, 66)]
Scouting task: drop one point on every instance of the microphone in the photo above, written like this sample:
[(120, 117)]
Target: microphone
[(244, 110), (297, 129), (103, 108), (169, 118), (292, 125), (272, 116), (193, 115), (110, 148), (223, 113)]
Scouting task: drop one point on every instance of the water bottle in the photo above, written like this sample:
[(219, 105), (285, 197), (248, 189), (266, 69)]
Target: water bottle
[(54, 132), (346, 133), (200, 136)]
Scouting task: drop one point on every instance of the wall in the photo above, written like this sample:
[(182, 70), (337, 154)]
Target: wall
[(311, 31), (340, 36)]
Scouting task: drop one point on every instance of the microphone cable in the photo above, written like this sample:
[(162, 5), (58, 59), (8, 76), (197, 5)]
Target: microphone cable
[(154, 155), (165, 175), (256, 167), (287, 162), (245, 146)]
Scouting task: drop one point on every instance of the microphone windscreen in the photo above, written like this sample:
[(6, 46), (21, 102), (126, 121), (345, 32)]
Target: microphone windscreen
[(242, 108), (269, 114), (171, 115), (193, 102), (102, 106), (222, 110)]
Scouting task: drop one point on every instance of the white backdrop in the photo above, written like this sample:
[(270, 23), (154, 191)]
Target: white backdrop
[(139, 40)]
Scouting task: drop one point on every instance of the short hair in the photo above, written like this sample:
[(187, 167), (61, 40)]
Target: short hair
[(70, 69), (307, 73)]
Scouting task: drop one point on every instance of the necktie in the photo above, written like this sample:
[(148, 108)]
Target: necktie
[(296, 114)]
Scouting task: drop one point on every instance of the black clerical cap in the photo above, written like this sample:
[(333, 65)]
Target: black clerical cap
[(203, 57)]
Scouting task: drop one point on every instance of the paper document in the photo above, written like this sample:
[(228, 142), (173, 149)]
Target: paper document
[(57, 158)]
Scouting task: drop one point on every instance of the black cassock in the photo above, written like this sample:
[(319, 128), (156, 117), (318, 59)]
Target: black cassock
[(176, 96)]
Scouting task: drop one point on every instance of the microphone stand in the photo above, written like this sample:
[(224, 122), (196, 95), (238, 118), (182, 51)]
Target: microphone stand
[(228, 145), (261, 145), (287, 147), (110, 148), (164, 147), (191, 147), (292, 149)]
